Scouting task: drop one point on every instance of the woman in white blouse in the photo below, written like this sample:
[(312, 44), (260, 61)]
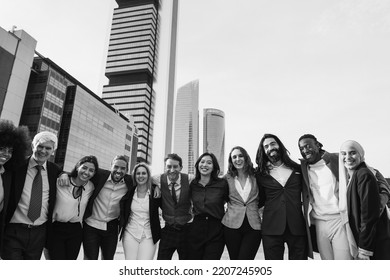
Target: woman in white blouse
[(242, 219), (66, 237), (140, 224)]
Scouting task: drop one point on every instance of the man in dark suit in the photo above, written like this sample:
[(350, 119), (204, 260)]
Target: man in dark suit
[(101, 218), (31, 203), (14, 142), (281, 185)]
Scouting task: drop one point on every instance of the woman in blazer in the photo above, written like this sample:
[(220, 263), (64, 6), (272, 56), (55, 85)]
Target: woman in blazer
[(140, 223), (242, 220), (370, 228)]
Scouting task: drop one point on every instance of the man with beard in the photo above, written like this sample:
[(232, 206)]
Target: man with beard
[(176, 208), (281, 185), (320, 171), (101, 217)]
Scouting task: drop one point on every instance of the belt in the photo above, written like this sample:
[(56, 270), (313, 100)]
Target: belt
[(27, 225)]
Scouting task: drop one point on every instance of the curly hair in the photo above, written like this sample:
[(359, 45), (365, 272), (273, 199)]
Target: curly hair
[(216, 168), (262, 158), (17, 138), (248, 165)]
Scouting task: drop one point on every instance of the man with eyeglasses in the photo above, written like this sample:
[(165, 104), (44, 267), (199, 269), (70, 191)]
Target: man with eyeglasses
[(31, 203), (176, 208), (14, 143)]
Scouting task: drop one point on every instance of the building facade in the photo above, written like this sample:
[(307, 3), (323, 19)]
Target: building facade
[(214, 134), (84, 123), (131, 67), (186, 131), (16, 57)]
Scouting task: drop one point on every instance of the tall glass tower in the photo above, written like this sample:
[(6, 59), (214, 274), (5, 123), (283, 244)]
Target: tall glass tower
[(186, 132), (131, 67), (214, 134)]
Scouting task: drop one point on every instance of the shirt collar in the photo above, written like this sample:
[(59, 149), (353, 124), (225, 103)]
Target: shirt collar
[(177, 181), (2, 170)]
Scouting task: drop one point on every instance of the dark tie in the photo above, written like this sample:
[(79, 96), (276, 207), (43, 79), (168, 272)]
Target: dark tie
[(34, 211), (173, 192)]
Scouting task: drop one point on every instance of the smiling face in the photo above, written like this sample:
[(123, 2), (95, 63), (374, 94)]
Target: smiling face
[(206, 166), (42, 151), (86, 171), (5, 154), (271, 149), (118, 170), (310, 150), (141, 176), (238, 159), (172, 169), (350, 156)]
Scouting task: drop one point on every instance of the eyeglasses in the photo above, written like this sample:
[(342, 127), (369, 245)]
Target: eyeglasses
[(6, 150)]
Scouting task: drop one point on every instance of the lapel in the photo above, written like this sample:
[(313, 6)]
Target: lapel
[(232, 188)]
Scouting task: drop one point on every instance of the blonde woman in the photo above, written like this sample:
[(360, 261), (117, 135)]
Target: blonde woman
[(140, 224)]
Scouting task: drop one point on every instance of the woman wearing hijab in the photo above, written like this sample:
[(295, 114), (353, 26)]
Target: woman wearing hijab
[(369, 229)]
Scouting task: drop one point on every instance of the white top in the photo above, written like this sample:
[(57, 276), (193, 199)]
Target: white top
[(20, 215), (280, 173), (106, 205), (68, 208), (322, 185), (139, 221), (244, 192)]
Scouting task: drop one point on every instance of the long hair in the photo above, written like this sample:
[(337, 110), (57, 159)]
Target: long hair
[(262, 160), (149, 180), (91, 159), (216, 168), (17, 138), (248, 165)]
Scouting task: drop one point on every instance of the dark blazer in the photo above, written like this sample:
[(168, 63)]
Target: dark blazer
[(363, 207), (154, 204), (18, 179), (99, 180), (282, 205), (7, 180)]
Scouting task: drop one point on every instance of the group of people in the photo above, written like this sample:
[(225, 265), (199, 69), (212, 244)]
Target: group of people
[(331, 203)]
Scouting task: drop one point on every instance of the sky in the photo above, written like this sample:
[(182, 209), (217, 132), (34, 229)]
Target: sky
[(273, 66)]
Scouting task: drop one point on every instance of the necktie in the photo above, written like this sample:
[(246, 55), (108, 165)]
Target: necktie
[(173, 192), (34, 210)]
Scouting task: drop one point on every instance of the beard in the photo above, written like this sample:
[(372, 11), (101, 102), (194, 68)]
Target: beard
[(275, 157)]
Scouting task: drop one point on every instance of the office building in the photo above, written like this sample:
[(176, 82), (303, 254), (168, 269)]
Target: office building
[(186, 132), (84, 123), (131, 67), (214, 134), (16, 57)]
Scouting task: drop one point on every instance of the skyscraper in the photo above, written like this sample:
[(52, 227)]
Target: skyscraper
[(186, 139), (214, 134), (131, 67)]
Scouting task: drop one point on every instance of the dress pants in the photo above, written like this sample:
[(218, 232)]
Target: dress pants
[(23, 242), (173, 237), (242, 243), (94, 239), (273, 246), (65, 241), (205, 238)]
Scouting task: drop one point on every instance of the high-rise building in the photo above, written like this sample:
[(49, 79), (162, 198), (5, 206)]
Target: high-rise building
[(214, 134), (186, 132), (16, 57), (131, 67)]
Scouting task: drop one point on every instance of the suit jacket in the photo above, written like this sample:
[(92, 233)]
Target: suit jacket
[(282, 205), (7, 180), (18, 179), (154, 204), (237, 208), (99, 180)]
